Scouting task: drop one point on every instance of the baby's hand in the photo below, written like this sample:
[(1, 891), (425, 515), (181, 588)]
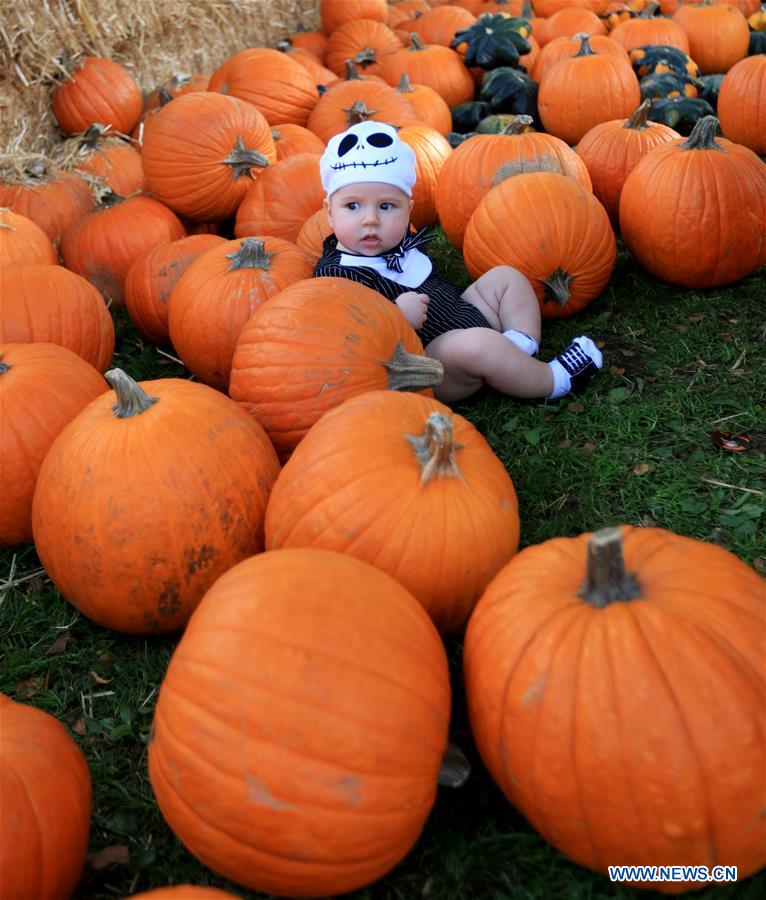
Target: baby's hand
[(414, 306)]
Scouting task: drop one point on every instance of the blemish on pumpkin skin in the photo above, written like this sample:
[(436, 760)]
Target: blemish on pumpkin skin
[(169, 601), (197, 559), (259, 793), (534, 692), (350, 788)]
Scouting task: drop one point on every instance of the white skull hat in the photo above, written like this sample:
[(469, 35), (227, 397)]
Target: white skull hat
[(368, 151)]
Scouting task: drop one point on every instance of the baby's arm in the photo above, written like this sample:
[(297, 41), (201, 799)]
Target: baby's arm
[(414, 306)]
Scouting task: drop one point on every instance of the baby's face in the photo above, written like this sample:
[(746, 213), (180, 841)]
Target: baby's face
[(368, 218)]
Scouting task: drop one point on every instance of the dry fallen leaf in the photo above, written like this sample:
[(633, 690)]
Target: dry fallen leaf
[(759, 564), (98, 679), (59, 644), (617, 370), (575, 407), (565, 443), (697, 317), (682, 329), (642, 469), (28, 688), (588, 448), (78, 726), (117, 854)]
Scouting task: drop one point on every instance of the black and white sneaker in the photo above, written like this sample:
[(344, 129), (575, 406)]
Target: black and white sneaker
[(579, 362)]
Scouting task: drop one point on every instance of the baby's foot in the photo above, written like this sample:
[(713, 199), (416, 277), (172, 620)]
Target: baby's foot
[(575, 366)]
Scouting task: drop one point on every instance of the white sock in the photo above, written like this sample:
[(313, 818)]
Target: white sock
[(522, 340)]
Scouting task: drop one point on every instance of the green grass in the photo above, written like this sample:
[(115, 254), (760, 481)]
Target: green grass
[(634, 448)]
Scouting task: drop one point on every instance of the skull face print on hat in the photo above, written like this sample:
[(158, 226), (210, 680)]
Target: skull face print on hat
[(367, 152)]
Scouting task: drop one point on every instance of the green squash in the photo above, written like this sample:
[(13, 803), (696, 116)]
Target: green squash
[(465, 116), (507, 90), (657, 59), (680, 113), (668, 84), (493, 40)]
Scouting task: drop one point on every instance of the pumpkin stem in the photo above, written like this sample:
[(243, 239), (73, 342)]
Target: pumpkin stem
[(164, 96), (558, 286), (606, 579), (250, 255), (351, 72), (435, 448), (179, 79), (404, 86), (410, 372), (359, 112), (276, 134), (415, 42), (106, 197), (132, 399), (365, 57), (526, 10), (242, 160), (703, 135), (519, 125), (455, 767), (284, 46), (649, 10), (89, 139), (585, 48), (640, 118)]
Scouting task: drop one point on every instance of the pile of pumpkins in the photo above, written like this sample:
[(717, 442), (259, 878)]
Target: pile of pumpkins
[(306, 512)]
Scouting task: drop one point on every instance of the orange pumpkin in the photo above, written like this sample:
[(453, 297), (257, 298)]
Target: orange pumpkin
[(321, 74), (441, 68), (290, 140), (566, 47), (110, 160), (22, 241), (561, 239), (349, 102), (337, 748), (365, 42), (183, 892), (170, 458), (220, 291), (632, 656), (313, 233), (43, 387), (742, 103), (646, 28), (689, 202), (430, 108), (47, 800), (102, 245), (485, 160), (585, 90), (51, 304), (280, 88), (569, 21), (152, 277), (201, 152), (99, 91), (437, 512), (612, 149), (335, 12), (282, 199), (317, 343), (439, 24), (51, 198), (431, 151), (718, 35), (175, 86), (313, 41)]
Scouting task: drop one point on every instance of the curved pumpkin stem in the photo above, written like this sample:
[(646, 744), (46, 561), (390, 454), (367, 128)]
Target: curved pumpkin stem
[(243, 160), (106, 197), (365, 57), (640, 118), (416, 42), (435, 449), (250, 255), (132, 399), (410, 372), (351, 72), (519, 125), (649, 10), (606, 579), (455, 767), (703, 135), (558, 285)]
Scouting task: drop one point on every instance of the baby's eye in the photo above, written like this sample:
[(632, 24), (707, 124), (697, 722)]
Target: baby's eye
[(352, 205), (387, 206)]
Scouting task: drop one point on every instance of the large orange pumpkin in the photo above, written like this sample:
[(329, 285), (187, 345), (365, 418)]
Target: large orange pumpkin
[(47, 801), (718, 35), (183, 892), (141, 504), (554, 232), (437, 510), (430, 108), (102, 245), (629, 657), (42, 388), (202, 150), (646, 28), (348, 102), (485, 160), (742, 103), (280, 88), (220, 291), (50, 303), (317, 343), (335, 12), (441, 68), (290, 139), (566, 47), (99, 91), (365, 42), (281, 200), (693, 211), (110, 160), (301, 725), (431, 151)]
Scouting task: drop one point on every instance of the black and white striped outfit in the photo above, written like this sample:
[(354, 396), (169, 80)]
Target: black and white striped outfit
[(402, 269)]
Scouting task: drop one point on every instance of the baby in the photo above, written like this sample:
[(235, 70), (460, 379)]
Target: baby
[(490, 333)]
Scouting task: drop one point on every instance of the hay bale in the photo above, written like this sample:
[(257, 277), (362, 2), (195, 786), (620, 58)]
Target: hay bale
[(154, 39)]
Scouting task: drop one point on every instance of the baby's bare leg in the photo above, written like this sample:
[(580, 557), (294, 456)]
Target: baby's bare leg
[(475, 356), (507, 299)]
